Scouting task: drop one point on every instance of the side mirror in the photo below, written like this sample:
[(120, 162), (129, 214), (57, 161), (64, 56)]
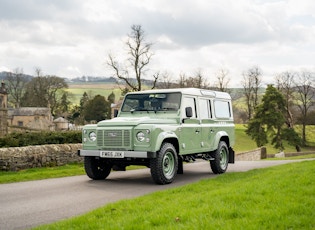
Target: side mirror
[(115, 112), (188, 111)]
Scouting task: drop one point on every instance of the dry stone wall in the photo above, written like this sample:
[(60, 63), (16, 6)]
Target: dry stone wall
[(253, 155), (17, 158)]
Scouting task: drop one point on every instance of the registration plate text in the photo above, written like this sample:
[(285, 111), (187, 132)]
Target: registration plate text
[(112, 154)]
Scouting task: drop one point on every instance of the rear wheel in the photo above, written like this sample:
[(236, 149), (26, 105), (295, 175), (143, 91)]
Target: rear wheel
[(221, 159), (164, 166), (96, 169)]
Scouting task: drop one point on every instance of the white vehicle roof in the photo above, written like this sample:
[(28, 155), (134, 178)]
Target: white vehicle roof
[(189, 91)]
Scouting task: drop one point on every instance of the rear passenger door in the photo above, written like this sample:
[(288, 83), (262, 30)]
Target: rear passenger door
[(208, 127)]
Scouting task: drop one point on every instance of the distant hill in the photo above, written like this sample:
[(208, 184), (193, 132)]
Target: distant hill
[(91, 79), (4, 74)]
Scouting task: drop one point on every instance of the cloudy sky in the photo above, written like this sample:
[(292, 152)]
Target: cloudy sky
[(71, 38)]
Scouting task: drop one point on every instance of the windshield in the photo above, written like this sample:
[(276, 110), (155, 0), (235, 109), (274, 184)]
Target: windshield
[(151, 102)]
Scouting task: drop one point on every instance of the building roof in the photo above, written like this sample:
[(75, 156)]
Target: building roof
[(30, 111), (61, 120)]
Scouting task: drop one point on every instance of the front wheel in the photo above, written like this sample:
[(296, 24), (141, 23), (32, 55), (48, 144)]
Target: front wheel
[(96, 169), (221, 159), (164, 166)]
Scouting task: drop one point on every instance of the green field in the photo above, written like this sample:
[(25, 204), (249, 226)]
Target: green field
[(244, 143), (280, 197), (104, 89)]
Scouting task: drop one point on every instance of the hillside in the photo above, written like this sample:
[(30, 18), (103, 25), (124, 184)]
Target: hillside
[(244, 143), (77, 90)]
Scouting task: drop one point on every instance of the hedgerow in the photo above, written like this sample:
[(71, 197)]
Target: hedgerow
[(18, 139)]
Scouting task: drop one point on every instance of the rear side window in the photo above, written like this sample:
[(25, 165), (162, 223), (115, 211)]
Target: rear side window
[(222, 109), (205, 108)]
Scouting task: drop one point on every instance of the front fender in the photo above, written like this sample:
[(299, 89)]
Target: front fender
[(161, 137)]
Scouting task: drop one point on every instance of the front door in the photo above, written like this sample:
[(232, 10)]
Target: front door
[(190, 130)]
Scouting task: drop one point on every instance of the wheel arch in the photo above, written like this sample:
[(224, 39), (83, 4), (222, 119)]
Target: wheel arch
[(167, 137), (226, 139), (222, 136), (174, 142)]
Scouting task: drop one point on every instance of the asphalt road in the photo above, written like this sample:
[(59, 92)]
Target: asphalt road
[(27, 204)]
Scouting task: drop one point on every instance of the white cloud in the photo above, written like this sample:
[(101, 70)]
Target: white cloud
[(73, 37)]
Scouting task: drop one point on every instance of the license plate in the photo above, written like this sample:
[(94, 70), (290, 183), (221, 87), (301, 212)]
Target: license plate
[(112, 154)]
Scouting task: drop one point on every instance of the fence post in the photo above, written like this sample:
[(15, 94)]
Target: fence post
[(263, 152)]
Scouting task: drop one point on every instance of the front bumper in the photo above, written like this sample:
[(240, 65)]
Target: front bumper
[(127, 154)]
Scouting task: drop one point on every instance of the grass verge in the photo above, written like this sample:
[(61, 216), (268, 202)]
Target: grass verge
[(279, 197), (47, 172), (41, 173)]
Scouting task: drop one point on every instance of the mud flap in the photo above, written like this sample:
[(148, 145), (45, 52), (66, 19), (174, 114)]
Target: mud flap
[(180, 169), (231, 156)]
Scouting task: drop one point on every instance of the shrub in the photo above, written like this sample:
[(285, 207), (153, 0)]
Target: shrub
[(40, 138)]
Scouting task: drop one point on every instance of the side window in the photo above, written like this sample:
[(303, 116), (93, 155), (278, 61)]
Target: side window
[(222, 109), (210, 109), (204, 108), (189, 102)]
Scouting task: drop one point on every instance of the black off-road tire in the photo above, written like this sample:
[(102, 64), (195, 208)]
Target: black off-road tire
[(164, 166), (221, 159), (96, 169)]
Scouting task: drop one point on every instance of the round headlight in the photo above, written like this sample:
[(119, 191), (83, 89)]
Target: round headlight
[(140, 136), (92, 136)]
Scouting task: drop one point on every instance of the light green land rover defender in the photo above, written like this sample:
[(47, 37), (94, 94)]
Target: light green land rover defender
[(161, 129)]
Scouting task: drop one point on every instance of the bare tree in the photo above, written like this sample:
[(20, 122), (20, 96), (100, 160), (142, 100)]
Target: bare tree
[(251, 84), (222, 80), (182, 80), (44, 91), (38, 72), (285, 84), (198, 80), (16, 82), (166, 81), (305, 97), (139, 57)]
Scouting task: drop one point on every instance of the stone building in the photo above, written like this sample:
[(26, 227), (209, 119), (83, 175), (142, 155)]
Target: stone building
[(36, 118), (3, 110), (61, 123)]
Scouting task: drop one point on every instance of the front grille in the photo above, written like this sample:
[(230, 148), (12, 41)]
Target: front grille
[(113, 138)]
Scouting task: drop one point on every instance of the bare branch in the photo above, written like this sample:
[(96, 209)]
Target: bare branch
[(139, 57), (222, 80), (251, 84)]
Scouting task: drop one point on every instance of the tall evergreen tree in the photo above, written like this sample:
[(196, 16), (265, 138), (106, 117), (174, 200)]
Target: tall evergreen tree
[(269, 121), (84, 99), (111, 97)]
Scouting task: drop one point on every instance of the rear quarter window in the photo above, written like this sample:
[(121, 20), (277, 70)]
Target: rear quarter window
[(222, 109)]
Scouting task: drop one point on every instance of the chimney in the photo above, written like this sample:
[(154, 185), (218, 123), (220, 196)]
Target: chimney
[(3, 90)]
